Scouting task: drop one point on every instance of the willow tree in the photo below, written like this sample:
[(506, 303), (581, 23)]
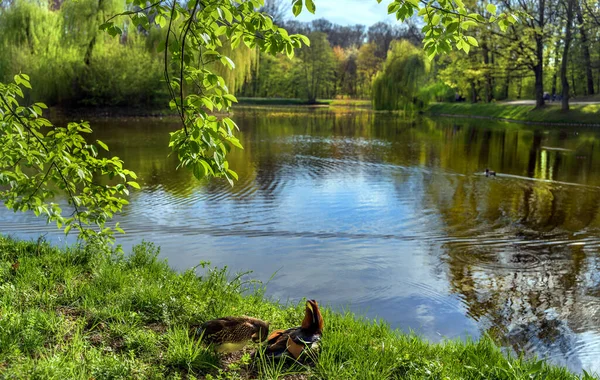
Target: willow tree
[(37, 158), (404, 72), (246, 62)]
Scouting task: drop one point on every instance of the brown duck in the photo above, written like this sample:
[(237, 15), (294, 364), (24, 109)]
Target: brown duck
[(231, 334), (293, 341)]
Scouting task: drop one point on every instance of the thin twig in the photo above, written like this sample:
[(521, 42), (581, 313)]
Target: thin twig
[(23, 123), (182, 59), (443, 10), (70, 195), (41, 182), (141, 10), (167, 77)]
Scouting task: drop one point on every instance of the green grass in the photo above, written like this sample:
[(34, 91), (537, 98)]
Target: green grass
[(579, 114), (351, 103), (87, 312)]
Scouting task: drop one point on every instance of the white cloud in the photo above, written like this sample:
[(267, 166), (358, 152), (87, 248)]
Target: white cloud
[(349, 12)]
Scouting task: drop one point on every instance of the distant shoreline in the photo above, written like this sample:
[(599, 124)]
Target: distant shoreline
[(74, 113)]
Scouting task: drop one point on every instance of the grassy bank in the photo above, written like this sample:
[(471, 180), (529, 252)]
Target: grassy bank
[(90, 313), (579, 114)]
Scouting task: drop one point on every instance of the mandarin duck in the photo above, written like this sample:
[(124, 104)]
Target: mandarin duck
[(231, 334), (489, 172), (293, 341)]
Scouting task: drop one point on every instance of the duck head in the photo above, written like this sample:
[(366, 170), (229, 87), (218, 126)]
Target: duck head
[(312, 317), (261, 331)]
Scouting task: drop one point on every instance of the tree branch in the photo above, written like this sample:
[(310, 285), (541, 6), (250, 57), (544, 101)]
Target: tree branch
[(138, 11)]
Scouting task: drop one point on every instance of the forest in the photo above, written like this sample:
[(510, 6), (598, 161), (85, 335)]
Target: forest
[(550, 53)]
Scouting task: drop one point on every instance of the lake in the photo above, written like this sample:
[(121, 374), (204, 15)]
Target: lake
[(388, 217)]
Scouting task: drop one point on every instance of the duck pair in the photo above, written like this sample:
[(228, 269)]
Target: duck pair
[(230, 334)]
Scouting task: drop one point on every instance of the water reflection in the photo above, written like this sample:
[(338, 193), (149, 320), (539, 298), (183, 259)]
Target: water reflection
[(391, 217)]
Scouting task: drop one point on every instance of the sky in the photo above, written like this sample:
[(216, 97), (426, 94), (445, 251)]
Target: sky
[(349, 12)]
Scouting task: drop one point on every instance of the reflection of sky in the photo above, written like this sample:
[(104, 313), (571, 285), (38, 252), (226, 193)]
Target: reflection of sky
[(590, 358), (345, 220)]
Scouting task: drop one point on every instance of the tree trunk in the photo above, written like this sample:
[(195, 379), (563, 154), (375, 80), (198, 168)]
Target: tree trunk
[(473, 93), (574, 87), (488, 77), (506, 85), (90, 48), (538, 69), (256, 74), (556, 59), (585, 50), (565, 58)]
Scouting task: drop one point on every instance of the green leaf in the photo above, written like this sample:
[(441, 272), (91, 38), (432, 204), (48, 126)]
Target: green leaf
[(472, 41), (297, 7), (233, 174), (393, 7), (310, 6), (491, 8), (161, 21), (134, 184), (230, 97), (467, 24), (114, 30), (452, 27), (289, 51), (304, 39), (503, 24), (106, 25), (102, 145), (466, 47), (227, 15), (207, 102), (24, 80), (228, 62)]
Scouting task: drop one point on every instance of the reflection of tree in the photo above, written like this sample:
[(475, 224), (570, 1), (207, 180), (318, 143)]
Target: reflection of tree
[(536, 308), (518, 275)]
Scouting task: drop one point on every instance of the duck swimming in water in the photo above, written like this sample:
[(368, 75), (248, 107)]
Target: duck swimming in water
[(489, 172), (295, 340), (231, 334)]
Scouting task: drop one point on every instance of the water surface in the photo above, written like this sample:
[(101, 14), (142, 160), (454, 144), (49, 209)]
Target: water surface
[(389, 217)]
